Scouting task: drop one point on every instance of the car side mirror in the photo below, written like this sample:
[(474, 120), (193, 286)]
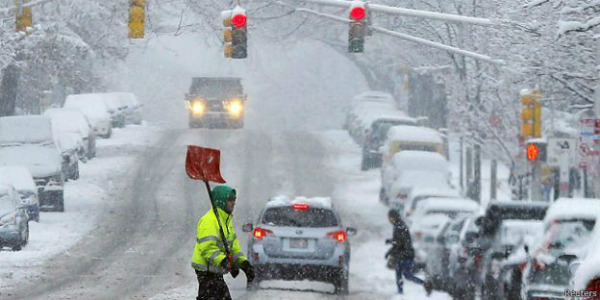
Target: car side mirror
[(351, 231), (573, 267), (247, 227)]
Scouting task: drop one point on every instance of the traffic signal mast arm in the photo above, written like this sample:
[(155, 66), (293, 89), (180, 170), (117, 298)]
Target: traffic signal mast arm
[(415, 13), (397, 34)]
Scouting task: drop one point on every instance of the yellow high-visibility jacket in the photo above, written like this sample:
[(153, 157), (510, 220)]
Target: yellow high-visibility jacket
[(209, 250)]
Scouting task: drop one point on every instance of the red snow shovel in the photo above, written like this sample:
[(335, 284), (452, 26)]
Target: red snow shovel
[(204, 164)]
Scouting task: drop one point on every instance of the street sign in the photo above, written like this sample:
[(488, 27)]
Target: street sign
[(589, 137), (559, 147)]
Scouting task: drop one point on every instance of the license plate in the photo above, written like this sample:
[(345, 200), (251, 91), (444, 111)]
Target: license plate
[(299, 243)]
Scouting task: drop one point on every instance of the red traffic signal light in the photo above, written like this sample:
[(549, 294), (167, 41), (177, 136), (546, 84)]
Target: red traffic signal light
[(238, 20), (532, 152), (357, 13)]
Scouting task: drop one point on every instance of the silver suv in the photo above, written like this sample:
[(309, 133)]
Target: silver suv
[(300, 238)]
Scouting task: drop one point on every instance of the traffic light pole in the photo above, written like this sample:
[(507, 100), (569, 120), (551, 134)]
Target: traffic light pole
[(399, 35), (415, 13)]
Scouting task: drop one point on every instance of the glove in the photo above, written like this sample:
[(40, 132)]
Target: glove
[(249, 270), (233, 270)]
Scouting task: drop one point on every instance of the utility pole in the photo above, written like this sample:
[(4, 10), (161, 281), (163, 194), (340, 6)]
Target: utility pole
[(469, 170), (462, 146), (493, 181), (477, 179)]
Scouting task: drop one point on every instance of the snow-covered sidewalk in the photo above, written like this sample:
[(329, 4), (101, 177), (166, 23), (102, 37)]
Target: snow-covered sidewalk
[(86, 200)]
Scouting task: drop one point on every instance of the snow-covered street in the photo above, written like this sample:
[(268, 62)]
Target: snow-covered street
[(67, 259)]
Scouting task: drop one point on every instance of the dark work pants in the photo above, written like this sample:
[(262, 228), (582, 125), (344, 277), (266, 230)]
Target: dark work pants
[(405, 267), (211, 286)]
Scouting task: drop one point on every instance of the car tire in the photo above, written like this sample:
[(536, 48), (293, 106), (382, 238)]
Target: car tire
[(59, 205), (341, 283), (76, 171)]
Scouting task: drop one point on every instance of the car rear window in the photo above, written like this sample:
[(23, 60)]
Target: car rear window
[(310, 217)]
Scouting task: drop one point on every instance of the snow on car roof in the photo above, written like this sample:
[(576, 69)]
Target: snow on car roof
[(572, 208), (414, 134), (450, 204), (69, 120), (448, 192), (25, 129), (19, 177), (371, 116), (410, 179), (320, 202), (590, 266), (421, 160), (91, 105)]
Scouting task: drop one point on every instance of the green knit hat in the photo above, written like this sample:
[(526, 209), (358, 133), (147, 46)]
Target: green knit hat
[(220, 194)]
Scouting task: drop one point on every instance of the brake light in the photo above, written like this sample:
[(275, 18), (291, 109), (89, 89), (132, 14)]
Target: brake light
[(260, 233), (300, 206), (538, 266), (339, 236)]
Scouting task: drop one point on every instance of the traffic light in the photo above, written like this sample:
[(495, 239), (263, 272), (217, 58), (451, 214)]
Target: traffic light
[(532, 115), (137, 18), (23, 16), (358, 27), (239, 46), (227, 48), (536, 151)]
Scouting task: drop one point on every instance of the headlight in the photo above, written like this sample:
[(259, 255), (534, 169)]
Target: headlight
[(235, 108), (198, 108), (10, 219)]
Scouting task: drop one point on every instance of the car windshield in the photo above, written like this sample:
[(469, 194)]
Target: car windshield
[(310, 217), (562, 234)]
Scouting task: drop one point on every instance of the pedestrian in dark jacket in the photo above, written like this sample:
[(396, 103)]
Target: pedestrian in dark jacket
[(403, 252)]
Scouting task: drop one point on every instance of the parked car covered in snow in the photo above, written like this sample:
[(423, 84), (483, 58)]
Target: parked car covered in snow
[(132, 107), (14, 229), (66, 120), (300, 238), (116, 108), (568, 228), (375, 137), (586, 272), (511, 233), (28, 141), (409, 169), (402, 138), (21, 179), (419, 194), (490, 226), (95, 109)]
